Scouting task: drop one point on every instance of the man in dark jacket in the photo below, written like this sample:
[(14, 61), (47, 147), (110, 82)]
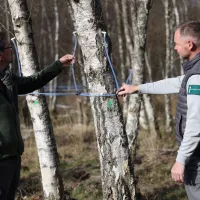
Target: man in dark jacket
[(11, 143), (187, 166)]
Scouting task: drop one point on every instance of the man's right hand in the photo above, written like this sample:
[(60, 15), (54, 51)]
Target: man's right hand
[(127, 89), (67, 60)]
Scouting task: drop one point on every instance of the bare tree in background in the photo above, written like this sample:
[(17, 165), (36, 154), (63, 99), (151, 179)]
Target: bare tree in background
[(128, 47), (122, 29), (139, 12), (116, 170), (150, 114), (168, 113), (7, 18), (53, 83), (43, 130)]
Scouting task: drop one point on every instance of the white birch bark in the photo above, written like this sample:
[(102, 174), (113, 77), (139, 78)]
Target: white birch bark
[(168, 115), (152, 120), (177, 20), (120, 38), (143, 117), (43, 130), (116, 171), (139, 14), (70, 11), (128, 49), (123, 68)]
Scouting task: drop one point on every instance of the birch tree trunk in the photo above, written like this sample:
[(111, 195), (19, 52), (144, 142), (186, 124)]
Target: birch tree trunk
[(43, 130), (139, 13), (152, 120), (120, 39), (128, 49), (123, 68), (168, 115), (143, 117), (177, 20), (116, 170), (7, 19)]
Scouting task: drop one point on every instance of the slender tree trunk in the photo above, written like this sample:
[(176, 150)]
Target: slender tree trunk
[(143, 116), (139, 21), (43, 130), (168, 115), (53, 83), (121, 50), (70, 11), (128, 49), (116, 169), (177, 22), (152, 120), (185, 14), (7, 19), (42, 44), (47, 41), (120, 39)]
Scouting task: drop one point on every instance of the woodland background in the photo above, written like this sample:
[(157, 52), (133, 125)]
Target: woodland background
[(71, 115)]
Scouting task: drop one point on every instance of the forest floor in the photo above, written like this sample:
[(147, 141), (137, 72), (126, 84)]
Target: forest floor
[(80, 165)]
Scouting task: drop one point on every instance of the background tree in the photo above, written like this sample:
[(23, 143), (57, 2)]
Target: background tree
[(46, 145), (140, 11)]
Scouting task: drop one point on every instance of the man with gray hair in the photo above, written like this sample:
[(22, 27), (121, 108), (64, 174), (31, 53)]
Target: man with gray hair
[(187, 166)]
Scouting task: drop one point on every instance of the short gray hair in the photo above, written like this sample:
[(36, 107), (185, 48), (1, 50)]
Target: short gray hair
[(190, 28)]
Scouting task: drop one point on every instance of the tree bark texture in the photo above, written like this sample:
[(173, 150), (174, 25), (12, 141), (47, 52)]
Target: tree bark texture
[(140, 12), (116, 169), (152, 120), (168, 113), (43, 130), (54, 82)]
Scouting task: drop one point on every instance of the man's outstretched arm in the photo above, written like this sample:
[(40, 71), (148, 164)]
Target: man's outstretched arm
[(31, 83), (165, 86)]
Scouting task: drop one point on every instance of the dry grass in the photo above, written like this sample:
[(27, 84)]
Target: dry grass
[(79, 164), (153, 166), (78, 161)]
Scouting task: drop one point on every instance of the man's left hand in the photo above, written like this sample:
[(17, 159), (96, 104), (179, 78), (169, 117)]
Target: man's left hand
[(177, 172), (67, 60)]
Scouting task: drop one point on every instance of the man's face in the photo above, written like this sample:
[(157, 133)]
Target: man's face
[(6, 54), (181, 45)]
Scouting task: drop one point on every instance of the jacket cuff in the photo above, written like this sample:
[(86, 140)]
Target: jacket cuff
[(181, 159), (142, 88), (59, 64)]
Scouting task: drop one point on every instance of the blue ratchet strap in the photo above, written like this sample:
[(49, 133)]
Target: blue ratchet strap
[(72, 66), (110, 63), (50, 94), (74, 79), (129, 77), (96, 95), (17, 54)]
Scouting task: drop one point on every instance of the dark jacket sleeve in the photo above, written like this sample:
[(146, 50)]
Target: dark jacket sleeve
[(31, 83)]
